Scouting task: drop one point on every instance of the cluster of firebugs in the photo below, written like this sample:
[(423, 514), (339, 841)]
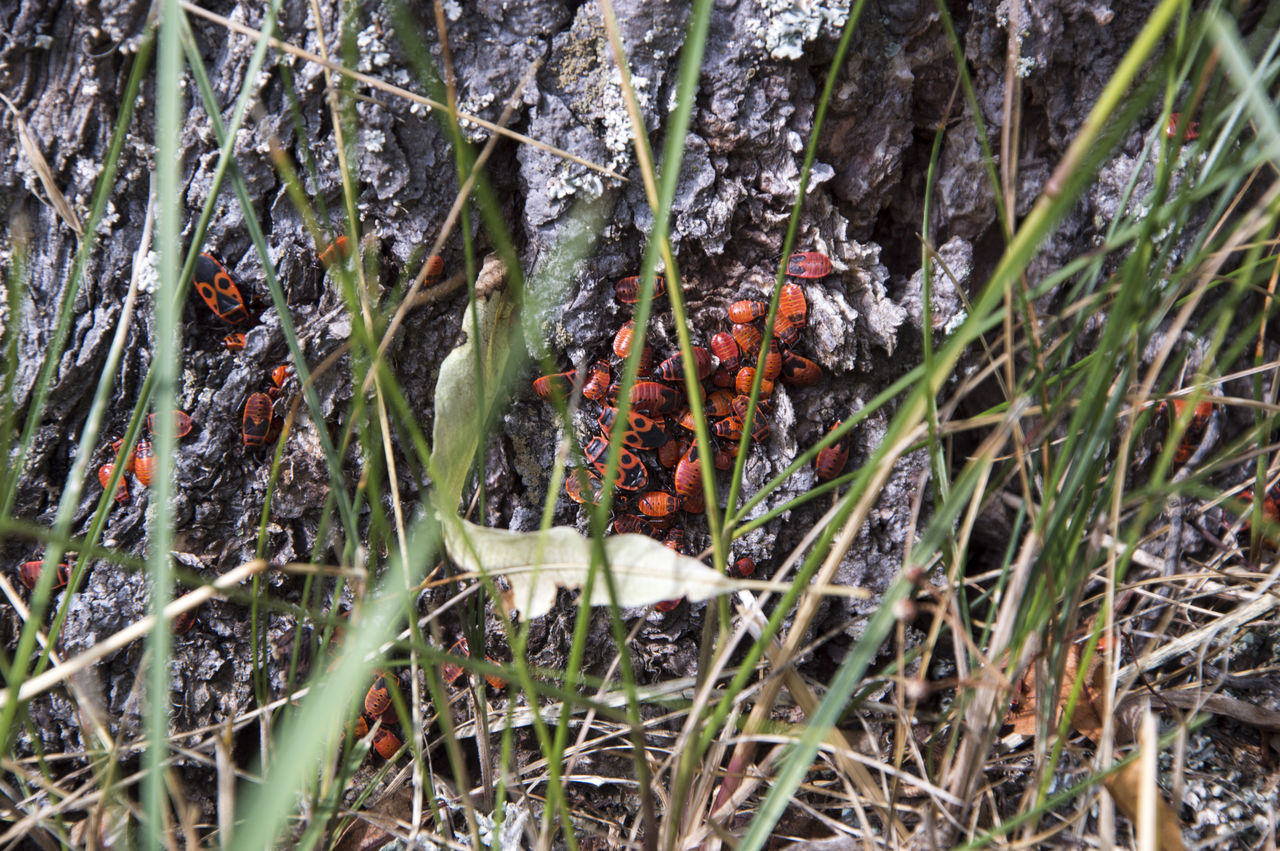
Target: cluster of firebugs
[(659, 419)]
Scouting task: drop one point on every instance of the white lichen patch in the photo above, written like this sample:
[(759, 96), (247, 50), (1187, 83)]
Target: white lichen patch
[(373, 51), (788, 24), (617, 122), (474, 105)]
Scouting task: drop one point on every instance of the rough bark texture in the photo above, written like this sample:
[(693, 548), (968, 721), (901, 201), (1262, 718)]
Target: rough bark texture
[(64, 66)]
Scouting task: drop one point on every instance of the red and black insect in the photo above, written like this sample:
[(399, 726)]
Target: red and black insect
[(386, 743), (642, 432), (669, 453), (214, 284), (128, 459), (719, 403), (256, 423), (689, 473), (742, 403), (694, 503), (808, 264), (628, 289), (632, 476), (360, 727), (730, 428), (650, 397), (832, 460), (1171, 129), (597, 381), (29, 573), (104, 476), (742, 568), (559, 384), (792, 305), (672, 368), (1194, 434), (433, 273), (748, 338), (785, 332), (799, 371), (759, 428), (182, 623), (746, 376), (659, 504), (580, 492), (280, 375), (144, 460), (450, 672), (724, 347), (494, 680), (233, 342), (622, 340), (337, 250), (181, 424), (772, 362), (633, 524), (745, 311), (377, 701)]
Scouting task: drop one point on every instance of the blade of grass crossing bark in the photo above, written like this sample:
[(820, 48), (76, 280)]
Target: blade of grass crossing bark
[(168, 355)]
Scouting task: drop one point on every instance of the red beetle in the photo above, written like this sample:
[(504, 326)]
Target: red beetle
[(632, 476), (377, 700), (29, 573), (799, 371), (628, 289), (785, 333), (791, 305), (689, 473), (233, 342), (665, 606), (622, 340), (694, 503), (104, 476), (449, 672), (578, 491), (742, 403), (182, 624), (672, 368), (181, 424), (743, 567), (128, 459), (256, 423), (724, 347), (339, 249), (669, 453), (730, 428), (214, 284), (748, 338), (597, 381), (759, 428), (633, 524), (360, 727), (386, 743), (722, 459), (493, 679), (1171, 129), (745, 311), (831, 461), (1195, 427), (772, 362), (718, 404), (808, 264), (280, 375), (659, 504), (642, 432), (674, 540), (144, 461), (560, 384), (746, 376), (650, 397), (434, 271)]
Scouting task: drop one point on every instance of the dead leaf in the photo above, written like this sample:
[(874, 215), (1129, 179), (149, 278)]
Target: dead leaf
[(41, 166), (537, 563)]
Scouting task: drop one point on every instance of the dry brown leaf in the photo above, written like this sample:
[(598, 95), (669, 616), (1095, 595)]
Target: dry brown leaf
[(36, 157), (1124, 787)]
